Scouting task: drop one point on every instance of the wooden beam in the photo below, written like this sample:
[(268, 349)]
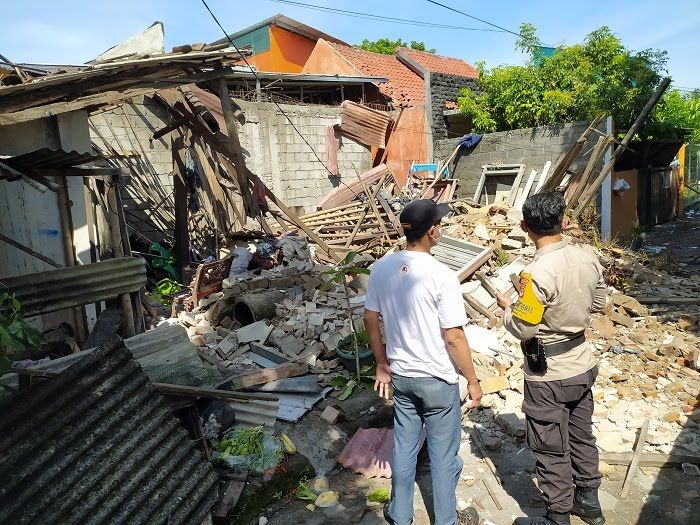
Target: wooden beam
[(181, 233), (590, 192), (28, 250), (266, 375), (598, 152), (648, 459), (238, 159), (634, 464)]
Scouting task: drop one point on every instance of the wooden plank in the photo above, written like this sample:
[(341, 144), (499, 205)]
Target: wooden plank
[(668, 299), (266, 375), (487, 284), (648, 459), (471, 312), (592, 189), (28, 250), (598, 152), (491, 492), (634, 464), (543, 176), (480, 308), (229, 499), (238, 159), (526, 191), (516, 186)]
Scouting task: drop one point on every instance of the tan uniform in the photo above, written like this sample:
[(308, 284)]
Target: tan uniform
[(568, 281)]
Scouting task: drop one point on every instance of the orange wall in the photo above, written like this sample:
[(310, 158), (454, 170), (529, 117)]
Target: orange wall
[(324, 60), (623, 213), (408, 142), (290, 51)]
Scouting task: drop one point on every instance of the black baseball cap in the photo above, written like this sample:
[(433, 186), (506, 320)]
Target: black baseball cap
[(421, 215)]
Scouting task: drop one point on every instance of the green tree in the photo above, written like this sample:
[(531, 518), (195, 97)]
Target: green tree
[(386, 46), (577, 82)]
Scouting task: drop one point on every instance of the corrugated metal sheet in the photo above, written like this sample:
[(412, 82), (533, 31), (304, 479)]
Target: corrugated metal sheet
[(364, 125), (55, 290), (49, 158), (166, 355), (97, 444), (461, 256), (255, 412)]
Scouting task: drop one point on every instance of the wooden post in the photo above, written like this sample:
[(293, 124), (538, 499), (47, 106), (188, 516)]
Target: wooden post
[(182, 234), (590, 192), (64, 204), (118, 247), (635, 459), (238, 160)]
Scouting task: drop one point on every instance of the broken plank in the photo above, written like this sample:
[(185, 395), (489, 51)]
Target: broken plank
[(211, 393), (491, 492), (648, 459), (266, 375), (668, 299), (232, 492), (634, 464)]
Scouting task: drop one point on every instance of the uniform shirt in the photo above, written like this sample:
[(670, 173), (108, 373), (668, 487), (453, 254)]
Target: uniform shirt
[(568, 281), (417, 296)]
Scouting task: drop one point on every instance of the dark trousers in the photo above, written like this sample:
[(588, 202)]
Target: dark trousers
[(560, 434)]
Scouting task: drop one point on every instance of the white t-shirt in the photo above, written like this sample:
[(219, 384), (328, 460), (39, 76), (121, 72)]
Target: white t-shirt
[(417, 296)]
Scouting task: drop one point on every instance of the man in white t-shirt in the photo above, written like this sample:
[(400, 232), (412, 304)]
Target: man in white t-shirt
[(420, 302)]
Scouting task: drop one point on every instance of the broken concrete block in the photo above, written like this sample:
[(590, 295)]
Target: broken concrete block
[(310, 307), (203, 329), (258, 284), (620, 319), (315, 319), (228, 343), (491, 442), (187, 318), (605, 469), (259, 332), (482, 232), (198, 340), (290, 345), (511, 244), (331, 415), (511, 424), (490, 385)]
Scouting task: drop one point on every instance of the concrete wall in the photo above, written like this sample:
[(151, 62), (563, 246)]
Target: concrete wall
[(128, 130), (531, 146), (276, 152), (443, 88)]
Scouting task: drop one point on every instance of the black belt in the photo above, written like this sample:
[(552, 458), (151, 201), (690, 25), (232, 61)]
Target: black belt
[(562, 347)]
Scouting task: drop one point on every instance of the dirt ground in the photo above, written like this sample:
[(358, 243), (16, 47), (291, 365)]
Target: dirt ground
[(666, 495)]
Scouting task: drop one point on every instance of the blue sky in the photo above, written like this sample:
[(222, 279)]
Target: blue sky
[(74, 31)]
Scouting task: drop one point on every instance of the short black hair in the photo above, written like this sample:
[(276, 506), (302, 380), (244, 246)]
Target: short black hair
[(544, 212)]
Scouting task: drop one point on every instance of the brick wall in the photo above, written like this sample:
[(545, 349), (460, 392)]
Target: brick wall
[(531, 146), (128, 129), (276, 152), (443, 88)]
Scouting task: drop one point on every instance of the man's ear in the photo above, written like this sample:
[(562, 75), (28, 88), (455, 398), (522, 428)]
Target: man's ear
[(523, 226), (565, 223)]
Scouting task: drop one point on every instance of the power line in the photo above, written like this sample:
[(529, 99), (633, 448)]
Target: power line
[(474, 17), (255, 74), (382, 18)]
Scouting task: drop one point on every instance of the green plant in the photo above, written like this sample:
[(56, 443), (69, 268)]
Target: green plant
[(386, 46), (243, 442), (340, 275), (15, 334), (501, 257), (579, 82), (304, 492), (368, 375)]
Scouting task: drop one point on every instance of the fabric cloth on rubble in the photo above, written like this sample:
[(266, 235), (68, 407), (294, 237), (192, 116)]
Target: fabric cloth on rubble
[(241, 260), (469, 140), (294, 248), (259, 196)]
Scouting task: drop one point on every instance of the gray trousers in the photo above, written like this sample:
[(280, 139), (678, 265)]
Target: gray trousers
[(560, 434)]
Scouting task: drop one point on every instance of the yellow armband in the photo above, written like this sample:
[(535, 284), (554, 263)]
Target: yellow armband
[(528, 308)]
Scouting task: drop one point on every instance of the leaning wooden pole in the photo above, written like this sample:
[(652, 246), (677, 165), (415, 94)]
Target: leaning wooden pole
[(591, 191)]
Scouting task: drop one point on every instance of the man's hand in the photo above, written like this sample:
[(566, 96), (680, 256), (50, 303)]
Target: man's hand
[(475, 394), (381, 385), (502, 300)]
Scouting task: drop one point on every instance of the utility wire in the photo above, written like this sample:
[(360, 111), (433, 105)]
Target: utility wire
[(252, 70), (474, 17), (382, 18)]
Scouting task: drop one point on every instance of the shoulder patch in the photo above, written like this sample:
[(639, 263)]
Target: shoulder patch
[(528, 308)]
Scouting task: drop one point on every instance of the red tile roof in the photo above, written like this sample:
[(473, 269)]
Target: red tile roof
[(440, 64), (405, 87)]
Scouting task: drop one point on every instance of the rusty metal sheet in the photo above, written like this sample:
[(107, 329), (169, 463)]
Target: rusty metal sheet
[(364, 125)]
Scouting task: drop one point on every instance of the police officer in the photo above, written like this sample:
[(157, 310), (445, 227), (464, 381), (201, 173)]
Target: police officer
[(558, 292)]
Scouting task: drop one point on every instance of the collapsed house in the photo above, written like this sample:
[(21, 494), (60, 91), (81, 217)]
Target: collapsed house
[(194, 214)]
